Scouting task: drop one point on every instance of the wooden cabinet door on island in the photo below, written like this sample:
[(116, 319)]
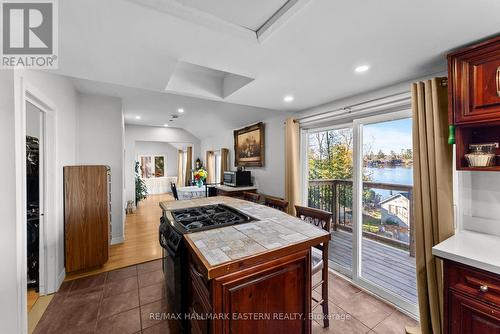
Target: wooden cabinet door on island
[(273, 297), (268, 293)]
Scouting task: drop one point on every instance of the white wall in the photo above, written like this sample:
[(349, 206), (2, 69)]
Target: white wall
[(135, 133), (61, 126), (479, 201), (269, 179), (10, 305), (100, 142), (162, 149)]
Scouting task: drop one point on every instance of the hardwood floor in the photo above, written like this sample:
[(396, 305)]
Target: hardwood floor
[(32, 298), (141, 238)]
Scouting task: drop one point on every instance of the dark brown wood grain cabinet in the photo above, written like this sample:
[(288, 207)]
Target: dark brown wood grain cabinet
[(474, 98), (258, 299), (471, 300), (87, 217)]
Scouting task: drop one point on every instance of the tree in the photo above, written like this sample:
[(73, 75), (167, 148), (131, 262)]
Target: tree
[(380, 155)]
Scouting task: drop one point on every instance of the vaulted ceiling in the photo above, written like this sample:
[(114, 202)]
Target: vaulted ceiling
[(311, 52)]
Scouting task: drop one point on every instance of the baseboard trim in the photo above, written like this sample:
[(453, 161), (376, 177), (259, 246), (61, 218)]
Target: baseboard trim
[(117, 240), (60, 279)]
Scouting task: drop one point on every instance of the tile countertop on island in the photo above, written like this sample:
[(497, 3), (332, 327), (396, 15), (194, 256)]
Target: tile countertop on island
[(474, 249), (272, 232)]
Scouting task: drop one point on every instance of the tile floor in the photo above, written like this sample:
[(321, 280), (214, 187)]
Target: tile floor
[(122, 300), (118, 301), (355, 311)]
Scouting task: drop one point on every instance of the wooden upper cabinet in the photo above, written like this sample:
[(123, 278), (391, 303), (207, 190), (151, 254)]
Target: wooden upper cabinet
[(474, 79)]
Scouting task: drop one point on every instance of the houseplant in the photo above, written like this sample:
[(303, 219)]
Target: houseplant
[(141, 191)]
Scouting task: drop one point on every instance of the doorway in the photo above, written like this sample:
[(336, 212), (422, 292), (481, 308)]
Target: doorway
[(361, 171), (34, 197)]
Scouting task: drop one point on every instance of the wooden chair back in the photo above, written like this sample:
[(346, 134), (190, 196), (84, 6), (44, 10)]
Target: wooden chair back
[(320, 218), (276, 203), (174, 191), (252, 197)]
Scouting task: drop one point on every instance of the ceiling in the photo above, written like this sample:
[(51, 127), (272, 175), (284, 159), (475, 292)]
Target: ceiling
[(248, 14), (202, 118), (312, 55)]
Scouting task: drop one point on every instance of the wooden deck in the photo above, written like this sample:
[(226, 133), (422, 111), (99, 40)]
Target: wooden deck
[(388, 267)]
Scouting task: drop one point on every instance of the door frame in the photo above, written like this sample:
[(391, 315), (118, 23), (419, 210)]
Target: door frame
[(305, 178), (48, 276), (357, 209)]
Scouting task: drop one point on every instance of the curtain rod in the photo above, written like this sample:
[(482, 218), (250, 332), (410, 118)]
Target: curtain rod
[(348, 108)]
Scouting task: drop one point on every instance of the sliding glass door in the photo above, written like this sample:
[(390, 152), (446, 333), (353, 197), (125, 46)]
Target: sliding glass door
[(383, 188), (330, 166), (363, 173)]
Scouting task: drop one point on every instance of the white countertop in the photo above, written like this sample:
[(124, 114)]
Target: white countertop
[(471, 248), (228, 188)]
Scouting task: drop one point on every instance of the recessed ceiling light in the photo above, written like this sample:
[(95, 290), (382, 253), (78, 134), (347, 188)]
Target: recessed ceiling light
[(180, 110), (137, 117), (288, 98), (165, 125), (362, 68)]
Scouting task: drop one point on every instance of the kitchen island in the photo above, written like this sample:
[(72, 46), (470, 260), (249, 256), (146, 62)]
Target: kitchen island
[(248, 278)]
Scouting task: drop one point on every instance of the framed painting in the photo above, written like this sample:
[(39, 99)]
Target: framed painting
[(249, 146), (152, 166)]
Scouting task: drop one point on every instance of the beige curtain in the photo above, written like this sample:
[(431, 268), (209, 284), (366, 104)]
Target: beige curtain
[(224, 165), (189, 165), (180, 174), (292, 164), (210, 165), (433, 195)]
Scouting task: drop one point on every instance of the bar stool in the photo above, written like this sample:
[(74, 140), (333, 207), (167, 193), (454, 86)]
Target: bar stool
[(323, 220), (276, 203)]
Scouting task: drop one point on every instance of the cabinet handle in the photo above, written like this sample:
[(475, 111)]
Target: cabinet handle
[(483, 288), (498, 81)]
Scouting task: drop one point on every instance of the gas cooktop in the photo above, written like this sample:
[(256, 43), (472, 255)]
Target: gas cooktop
[(206, 217)]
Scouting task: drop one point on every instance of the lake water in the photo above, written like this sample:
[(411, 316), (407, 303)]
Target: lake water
[(397, 175), (394, 175)]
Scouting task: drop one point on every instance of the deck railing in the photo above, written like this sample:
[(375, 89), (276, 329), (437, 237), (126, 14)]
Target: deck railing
[(336, 196)]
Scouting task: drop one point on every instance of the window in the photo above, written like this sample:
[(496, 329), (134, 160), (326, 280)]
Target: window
[(218, 167)]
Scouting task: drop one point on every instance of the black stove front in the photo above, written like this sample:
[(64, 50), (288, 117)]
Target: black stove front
[(175, 257)]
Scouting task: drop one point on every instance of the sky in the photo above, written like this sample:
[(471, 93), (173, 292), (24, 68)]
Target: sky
[(386, 136), (393, 135)]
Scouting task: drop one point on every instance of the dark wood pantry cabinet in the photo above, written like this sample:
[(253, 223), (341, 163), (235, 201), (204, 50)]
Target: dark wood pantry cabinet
[(474, 98)]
